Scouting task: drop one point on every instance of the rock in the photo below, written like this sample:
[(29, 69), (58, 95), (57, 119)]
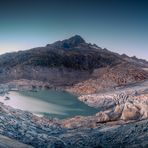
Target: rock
[(130, 112), (6, 142), (102, 117), (144, 110), (55, 143), (118, 109)]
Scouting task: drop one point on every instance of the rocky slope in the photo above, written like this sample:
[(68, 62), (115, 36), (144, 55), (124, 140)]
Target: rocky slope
[(125, 103), (134, 60), (109, 77)]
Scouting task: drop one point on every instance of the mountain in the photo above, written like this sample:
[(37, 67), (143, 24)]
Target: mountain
[(134, 60), (74, 63), (72, 53)]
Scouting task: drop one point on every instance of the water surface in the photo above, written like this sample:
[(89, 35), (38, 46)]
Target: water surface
[(48, 103)]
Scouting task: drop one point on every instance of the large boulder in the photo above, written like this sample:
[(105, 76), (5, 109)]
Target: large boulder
[(130, 112)]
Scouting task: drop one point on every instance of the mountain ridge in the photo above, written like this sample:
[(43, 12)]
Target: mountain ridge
[(70, 62)]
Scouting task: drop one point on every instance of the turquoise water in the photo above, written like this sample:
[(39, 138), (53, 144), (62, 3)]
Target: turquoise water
[(53, 104)]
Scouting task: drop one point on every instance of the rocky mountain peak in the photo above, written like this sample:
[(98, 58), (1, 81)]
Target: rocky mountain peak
[(72, 42), (77, 39)]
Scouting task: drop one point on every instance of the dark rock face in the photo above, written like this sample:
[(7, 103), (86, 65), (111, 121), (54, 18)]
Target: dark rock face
[(68, 43), (78, 56)]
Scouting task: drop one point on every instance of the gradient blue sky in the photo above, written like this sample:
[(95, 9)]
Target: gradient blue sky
[(118, 25)]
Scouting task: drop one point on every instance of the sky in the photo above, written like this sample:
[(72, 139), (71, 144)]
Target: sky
[(118, 25)]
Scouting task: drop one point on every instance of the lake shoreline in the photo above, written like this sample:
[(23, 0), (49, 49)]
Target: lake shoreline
[(49, 103), (97, 130)]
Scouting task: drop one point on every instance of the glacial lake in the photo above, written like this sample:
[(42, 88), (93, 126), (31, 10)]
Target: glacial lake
[(49, 103)]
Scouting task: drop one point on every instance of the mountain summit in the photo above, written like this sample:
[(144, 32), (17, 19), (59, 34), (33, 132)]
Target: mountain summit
[(72, 42), (75, 40)]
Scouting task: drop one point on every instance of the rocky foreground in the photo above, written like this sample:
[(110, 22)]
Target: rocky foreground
[(40, 132), (122, 122)]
